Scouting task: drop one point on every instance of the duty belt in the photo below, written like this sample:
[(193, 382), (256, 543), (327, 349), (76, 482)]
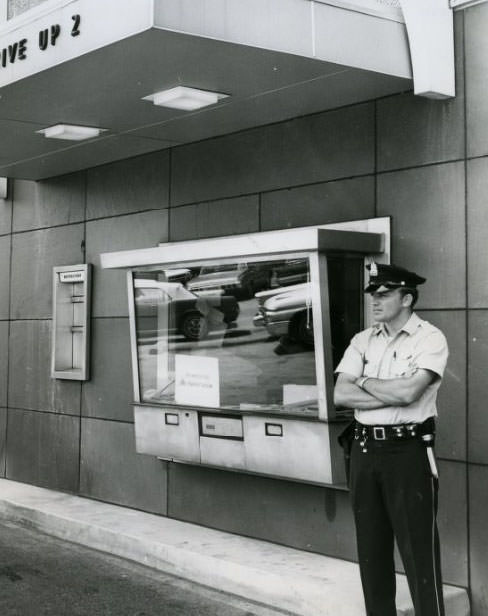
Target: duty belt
[(424, 431), (395, 431), (388, 432)]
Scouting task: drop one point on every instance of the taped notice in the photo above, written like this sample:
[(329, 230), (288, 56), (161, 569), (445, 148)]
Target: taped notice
[(197, 380)]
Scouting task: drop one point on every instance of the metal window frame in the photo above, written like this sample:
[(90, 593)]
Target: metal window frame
[(373, 241)]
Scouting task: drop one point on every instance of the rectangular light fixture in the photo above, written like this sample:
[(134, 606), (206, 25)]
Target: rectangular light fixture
[(70, 132), (3, 188), (185, 98)]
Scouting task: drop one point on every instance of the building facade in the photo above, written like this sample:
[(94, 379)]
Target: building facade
[(422, 162)]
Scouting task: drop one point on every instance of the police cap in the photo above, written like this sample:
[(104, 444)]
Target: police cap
[(384, 277)]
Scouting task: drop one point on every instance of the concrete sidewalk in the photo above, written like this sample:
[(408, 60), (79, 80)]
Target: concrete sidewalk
[(299, 582)]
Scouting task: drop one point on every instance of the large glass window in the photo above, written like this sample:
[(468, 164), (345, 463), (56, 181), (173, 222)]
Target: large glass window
[(238, 335), (234, 335)]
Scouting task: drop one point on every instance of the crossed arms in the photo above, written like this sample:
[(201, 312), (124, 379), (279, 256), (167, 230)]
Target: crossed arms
[(380, 393)]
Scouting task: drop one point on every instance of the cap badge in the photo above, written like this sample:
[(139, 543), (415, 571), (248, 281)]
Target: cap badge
[(373, 270)]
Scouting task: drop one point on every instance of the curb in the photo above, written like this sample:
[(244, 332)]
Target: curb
[(283, 578)]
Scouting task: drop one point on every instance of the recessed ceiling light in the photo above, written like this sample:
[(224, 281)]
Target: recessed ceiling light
[(71, 132), (185, 98)]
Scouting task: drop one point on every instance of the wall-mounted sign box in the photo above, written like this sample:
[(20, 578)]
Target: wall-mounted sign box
[(236, 340), (71, 322)]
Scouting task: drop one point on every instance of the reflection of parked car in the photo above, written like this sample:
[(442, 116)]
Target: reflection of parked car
[(287, 311), (241, 280), (168, 306), (291, 271), (178, 275)]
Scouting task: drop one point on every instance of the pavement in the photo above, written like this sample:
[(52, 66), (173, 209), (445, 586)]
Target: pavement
[(301, 583), (41, 575)]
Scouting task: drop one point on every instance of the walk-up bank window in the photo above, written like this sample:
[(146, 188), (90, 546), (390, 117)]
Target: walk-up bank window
[(234, 342)]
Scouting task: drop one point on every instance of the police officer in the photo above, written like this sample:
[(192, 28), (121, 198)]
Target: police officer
[(390, 375)]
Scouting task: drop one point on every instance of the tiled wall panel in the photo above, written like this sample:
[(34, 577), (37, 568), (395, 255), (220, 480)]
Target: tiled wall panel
[(43, 449), (5, 243), (108, 393), (476, 25), (477, 188), (295, 514), (30, 382), (452, 521), (143, 230), (428, 131), (321, 147), (111, 470), (33, 256), (4, 326), (318, 204), (478, 506), (3, 439), (428, 215), (132, 185), (58, 201), (225, 217), (478, 386), (451, 401)]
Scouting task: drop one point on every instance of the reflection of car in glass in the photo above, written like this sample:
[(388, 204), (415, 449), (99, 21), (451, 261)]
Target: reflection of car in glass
[(168, 306), (290, 272), (287, 311), (241, 279), (178, 275)]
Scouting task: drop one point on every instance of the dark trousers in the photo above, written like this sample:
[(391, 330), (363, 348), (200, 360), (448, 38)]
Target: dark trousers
[(394, 496)]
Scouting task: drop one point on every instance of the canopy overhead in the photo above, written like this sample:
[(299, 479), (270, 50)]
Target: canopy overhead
[(89, 63)]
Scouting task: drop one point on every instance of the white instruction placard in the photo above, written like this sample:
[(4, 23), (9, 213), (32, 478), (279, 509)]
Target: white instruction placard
[(197, 380)]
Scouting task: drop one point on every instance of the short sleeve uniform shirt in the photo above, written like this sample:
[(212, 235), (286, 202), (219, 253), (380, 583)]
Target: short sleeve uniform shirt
[(418, 345)]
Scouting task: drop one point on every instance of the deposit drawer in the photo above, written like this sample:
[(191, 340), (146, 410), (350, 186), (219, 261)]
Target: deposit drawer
[(220, 426)]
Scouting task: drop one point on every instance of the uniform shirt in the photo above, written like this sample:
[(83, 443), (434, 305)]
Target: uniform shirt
[(374, 353)]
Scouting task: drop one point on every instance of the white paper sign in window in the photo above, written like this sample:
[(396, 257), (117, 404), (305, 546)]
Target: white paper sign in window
[(197, 380)]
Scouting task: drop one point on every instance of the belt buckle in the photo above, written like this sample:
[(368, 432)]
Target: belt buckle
[(379, 433)]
